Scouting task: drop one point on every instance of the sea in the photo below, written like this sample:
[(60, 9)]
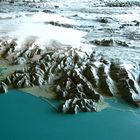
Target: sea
[(71, 23)]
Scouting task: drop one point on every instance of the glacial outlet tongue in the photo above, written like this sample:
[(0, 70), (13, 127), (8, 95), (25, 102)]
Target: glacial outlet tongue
[(78, 77)]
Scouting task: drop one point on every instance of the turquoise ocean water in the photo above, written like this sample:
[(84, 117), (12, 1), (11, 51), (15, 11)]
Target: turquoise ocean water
[(23, 116)]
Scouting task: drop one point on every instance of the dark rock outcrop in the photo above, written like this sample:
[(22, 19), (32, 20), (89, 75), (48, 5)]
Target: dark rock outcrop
[(48, 11), (60, 24), (104, 42), (122, 4), (103, 20), (3, 87), (110, 43), (122, 43)]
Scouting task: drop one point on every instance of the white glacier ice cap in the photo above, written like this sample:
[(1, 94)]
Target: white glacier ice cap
[(37, 26)]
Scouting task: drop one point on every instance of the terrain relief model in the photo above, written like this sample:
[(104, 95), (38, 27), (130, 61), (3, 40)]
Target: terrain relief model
[(82, 53)]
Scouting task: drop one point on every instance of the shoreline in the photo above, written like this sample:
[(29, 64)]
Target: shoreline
[(79, 77)]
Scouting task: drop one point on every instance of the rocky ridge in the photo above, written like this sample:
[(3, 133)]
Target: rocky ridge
[(80, 78)]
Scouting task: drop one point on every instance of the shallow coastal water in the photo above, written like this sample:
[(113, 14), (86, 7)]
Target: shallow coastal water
[(26, 117)]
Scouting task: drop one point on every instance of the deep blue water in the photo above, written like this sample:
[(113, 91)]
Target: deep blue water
[(23, 116)]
